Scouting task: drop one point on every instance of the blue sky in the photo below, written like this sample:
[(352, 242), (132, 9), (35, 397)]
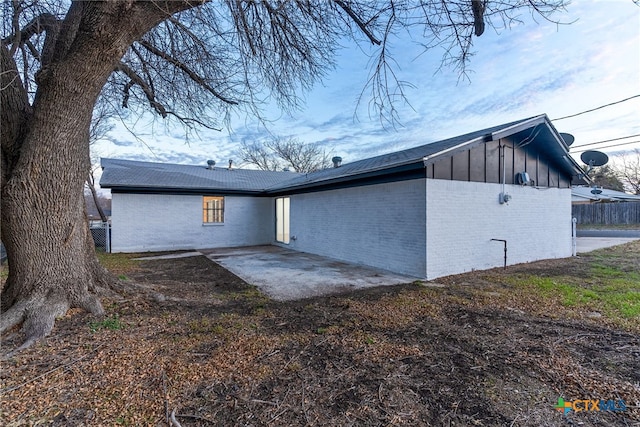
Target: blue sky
[(529, 69)]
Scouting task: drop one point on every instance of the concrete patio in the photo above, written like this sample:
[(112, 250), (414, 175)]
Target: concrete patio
[(284, 274)]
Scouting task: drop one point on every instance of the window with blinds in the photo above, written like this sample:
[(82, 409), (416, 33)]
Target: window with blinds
[(212, 209)]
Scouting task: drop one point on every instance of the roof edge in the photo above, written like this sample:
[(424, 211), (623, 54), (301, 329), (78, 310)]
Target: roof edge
[(520, 126)]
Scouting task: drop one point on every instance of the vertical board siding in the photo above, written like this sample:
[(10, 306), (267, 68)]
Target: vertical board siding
[(461, 166), (494, 171), (607, 213), (484, 163), (477, 163)]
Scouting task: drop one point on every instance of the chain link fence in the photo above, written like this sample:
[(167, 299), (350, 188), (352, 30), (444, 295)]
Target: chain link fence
[(101, 233)]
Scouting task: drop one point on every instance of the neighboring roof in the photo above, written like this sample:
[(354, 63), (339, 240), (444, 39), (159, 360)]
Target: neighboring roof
[(130, 175), (133, 175), (581, 193)]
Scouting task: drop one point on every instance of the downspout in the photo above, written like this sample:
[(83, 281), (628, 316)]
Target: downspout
[(425, 161)]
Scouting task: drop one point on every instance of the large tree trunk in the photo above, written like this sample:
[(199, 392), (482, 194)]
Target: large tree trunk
[(52, 262)]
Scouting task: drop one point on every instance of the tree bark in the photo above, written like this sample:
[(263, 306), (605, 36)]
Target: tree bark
[(45, 156)]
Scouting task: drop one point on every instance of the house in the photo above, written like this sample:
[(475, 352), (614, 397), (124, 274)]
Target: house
[(601, 206), (442, 208), (585, 195)]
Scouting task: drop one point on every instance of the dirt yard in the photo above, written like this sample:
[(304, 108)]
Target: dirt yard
[(195, 343)]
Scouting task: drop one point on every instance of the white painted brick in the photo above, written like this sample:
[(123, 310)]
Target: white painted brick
[(463, 217), (379, 225), (156, 222), (382, 225)]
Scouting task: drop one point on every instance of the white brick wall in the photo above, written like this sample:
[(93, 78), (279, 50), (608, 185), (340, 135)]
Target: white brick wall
[(380, 225), (157, 222), (463, 217)]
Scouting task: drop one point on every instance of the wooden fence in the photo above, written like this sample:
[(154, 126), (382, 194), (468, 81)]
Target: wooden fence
[(607, 213)]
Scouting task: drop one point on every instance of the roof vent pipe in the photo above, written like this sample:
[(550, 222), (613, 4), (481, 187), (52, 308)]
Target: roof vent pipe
[(337, 161), (211, 164), (230, 164)]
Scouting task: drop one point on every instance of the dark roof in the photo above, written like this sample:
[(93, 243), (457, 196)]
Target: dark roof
[(537, 129), (128, 174)]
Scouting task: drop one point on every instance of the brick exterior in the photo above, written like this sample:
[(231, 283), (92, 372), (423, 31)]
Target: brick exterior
[(425, 228), (463, 217), (168, 222), (380, 225)]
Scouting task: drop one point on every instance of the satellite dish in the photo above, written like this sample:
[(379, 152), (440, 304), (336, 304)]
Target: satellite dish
[(594, 158), (568, 138), (596, 190)]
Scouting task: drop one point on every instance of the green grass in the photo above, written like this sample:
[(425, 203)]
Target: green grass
[(635, 226), (118, 263), (110, 323), (612, 292)]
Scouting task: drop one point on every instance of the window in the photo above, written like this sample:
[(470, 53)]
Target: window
[(212, 209)]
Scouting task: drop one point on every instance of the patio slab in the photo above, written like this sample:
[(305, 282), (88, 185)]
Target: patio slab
[(284, 274)]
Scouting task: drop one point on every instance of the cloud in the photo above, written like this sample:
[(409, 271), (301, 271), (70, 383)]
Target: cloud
[(120, 142), (520, 72)]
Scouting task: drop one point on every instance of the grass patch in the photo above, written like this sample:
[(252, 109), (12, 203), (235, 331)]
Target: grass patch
[(605, 289), (119, 263), (110, 323), (608, 226)]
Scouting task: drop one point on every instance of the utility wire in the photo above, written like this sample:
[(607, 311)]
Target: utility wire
[(597, 108), (605, 140), (608, 146)]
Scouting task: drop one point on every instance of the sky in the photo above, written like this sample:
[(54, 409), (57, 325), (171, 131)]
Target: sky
[(537, 67)]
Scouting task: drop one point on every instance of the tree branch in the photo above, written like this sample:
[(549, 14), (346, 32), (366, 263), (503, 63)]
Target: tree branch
[(14, 112), (37, 25), (137, 80), (358, 22), (15, 23), (45, 22), (189, 121), (188, 71), (478, 7)]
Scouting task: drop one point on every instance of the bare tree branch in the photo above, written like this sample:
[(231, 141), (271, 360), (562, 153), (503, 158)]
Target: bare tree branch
[(628, 170), (258, 155), (280, 153), (139, 81), (358, 21), (478, 7), (192, 75)]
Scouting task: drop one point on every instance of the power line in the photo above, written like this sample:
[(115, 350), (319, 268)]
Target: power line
[(608, 146), (606, 140), (597, 108)]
